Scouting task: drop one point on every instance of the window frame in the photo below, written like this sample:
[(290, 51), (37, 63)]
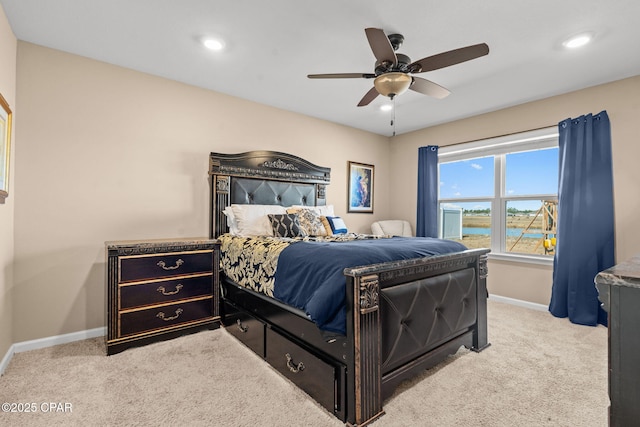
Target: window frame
[(499, 147)]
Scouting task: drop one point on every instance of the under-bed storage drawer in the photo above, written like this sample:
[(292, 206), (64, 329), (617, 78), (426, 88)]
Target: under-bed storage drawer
[(321, 380), (245, 327)]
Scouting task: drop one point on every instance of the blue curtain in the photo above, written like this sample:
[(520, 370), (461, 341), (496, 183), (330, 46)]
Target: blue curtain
[(427, 216), (585, 229)]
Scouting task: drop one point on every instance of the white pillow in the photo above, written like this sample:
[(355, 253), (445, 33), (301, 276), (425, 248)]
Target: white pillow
[(252, 220), (231, 221)]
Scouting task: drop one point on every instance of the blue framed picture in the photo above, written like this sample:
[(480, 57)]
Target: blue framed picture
[(360, 191)]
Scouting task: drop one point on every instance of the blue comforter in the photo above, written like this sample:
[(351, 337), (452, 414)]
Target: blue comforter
[(310, 274)]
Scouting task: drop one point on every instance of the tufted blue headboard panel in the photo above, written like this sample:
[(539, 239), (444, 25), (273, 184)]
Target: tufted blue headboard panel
[(264, 192)]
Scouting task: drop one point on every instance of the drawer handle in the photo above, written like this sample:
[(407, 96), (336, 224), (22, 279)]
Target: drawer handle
[(163, 265), (293, 367), (241, 327), (166, 319), (162, 290)]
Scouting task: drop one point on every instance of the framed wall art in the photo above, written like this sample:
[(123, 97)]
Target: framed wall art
[(5, 146), (360, 191)]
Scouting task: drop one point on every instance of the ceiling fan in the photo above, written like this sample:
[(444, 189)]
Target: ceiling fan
[(393, 71)]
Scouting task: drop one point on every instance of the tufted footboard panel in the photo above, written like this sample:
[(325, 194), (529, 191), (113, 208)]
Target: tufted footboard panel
[(420, 315)]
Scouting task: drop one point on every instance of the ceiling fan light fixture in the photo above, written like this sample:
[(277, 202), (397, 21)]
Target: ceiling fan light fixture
[(392, 84)]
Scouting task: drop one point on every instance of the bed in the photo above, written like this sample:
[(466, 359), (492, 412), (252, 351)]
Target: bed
[(400, 317)]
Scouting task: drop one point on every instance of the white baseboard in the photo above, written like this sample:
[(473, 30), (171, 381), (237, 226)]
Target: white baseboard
[(49, 342), (518, 302), (7, 358), (59, 339)]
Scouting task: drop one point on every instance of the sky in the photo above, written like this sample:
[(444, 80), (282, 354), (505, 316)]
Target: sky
[(530, 172)]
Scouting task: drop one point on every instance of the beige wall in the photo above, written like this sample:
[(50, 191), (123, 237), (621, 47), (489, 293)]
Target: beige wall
[(621, 99), (8, 47), (108, 153)]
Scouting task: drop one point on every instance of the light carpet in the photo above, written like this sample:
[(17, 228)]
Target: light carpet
[(539, 371)]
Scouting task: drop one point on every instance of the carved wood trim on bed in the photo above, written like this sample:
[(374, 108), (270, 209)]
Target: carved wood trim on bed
[(367, 338), (366, 367)]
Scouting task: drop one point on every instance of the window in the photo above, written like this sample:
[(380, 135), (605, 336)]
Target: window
[(501, 193)]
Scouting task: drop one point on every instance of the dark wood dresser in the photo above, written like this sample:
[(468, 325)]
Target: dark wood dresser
[(160, 289), (619, 292)]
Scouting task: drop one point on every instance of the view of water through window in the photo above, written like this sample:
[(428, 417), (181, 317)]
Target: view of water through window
[(527, 207)]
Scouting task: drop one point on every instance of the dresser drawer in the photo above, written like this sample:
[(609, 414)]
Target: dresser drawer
[(159, 292), (141, 267), (316, 377), (165, 316), (246, 328)]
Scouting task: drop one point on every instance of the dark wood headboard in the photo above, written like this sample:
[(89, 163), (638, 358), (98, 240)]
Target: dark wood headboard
[(265, 178)]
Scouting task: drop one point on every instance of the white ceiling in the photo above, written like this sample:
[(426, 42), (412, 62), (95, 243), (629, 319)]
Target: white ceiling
[(273, 45)]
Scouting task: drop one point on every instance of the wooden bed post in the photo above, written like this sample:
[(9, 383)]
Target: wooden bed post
[(480, 336), (367, 375), (219, 199)]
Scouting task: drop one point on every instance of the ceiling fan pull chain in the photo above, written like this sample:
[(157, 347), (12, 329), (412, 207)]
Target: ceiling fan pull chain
[(393, 116)]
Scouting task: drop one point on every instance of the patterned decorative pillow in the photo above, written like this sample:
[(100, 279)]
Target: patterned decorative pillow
[(309, 221), (320, 210), (286, 225)]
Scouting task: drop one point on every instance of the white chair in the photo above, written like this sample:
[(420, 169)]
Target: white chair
[(393, 227)]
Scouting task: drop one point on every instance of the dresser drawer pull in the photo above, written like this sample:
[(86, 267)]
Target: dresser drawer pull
[(293, 367), (162, 290), (166, 319), (163, 265), (241, 327)]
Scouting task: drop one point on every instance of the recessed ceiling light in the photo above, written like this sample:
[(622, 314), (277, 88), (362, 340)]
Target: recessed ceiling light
[(577, 40), (386, 107), (213, 44)]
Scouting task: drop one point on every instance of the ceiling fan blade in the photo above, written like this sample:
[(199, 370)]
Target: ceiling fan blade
[(381, 46), (451, 57), (342, 76), (428, 87), (368, 97)]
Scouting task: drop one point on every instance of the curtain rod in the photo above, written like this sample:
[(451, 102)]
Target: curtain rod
[(499, 136)]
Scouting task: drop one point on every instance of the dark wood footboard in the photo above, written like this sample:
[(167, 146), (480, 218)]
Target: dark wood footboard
[(452, 307)]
